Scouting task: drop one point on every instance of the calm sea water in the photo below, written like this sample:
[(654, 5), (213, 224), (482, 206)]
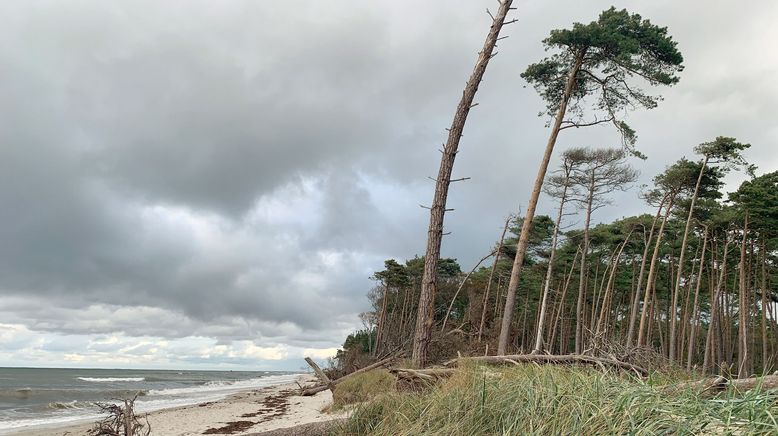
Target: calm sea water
[(45, 397)]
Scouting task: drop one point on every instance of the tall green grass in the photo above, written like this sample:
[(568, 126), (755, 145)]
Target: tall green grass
[(551, 400)]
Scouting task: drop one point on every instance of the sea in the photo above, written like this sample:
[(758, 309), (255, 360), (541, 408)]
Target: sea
[(46, 397)]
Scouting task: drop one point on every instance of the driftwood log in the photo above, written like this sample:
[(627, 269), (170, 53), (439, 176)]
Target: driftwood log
[(330, 384), (565, 359), (714, 385)]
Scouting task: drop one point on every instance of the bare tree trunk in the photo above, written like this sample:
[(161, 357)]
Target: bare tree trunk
[(381, 321), (695, 306), (579, 309), (523, 243), (562, 300), (686, 314), (766, 364), (491, 276), (743, 309), (679, 273), (424, 318), (652, 270), (602, 322), (636, 298), (714, 309), (549, 272), (459, 289)]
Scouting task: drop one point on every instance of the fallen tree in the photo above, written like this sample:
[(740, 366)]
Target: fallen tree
[(330, 384), (565, 359)]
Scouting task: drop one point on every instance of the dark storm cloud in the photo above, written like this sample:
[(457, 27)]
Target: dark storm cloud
[(236, 170)]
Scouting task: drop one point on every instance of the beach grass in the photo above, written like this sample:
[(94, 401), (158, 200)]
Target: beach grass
[(549, 400), (362, 387)]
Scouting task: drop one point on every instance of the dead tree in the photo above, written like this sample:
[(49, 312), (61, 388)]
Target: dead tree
[(121, 420), (424, 318), (559, 186)]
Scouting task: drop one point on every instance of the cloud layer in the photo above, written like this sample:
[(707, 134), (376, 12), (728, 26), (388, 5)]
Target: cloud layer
[(212, 183)]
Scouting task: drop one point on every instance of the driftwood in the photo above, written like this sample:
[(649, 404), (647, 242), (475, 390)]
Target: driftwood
[(320, 374), (121, 421), (565, 359), (713, 385), (330, 384)]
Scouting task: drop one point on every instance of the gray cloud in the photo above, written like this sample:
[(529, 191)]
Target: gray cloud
[(235, 171)]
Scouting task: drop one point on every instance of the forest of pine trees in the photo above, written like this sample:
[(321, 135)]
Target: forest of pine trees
[(690, 283)]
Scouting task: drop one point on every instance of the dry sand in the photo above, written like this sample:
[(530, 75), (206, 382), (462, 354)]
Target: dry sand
[(244, 413)]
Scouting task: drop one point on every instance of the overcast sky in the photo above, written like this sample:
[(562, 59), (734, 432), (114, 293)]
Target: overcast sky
[(211, 183)]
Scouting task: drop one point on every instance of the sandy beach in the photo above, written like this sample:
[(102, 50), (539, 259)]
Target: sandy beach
[(245, 413)]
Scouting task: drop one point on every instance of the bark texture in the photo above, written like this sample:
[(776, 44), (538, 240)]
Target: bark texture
[(424, 319)]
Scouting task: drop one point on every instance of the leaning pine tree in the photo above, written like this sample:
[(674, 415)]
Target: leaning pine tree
[(596, 63), (424, 318)]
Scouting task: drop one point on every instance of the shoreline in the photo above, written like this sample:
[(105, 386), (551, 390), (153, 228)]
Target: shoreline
[(246, 412)]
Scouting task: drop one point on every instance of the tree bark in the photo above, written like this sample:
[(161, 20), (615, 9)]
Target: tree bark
[(695, 306), (579, 322), (424, 319), (636, 299), (602, 322), (765, 360), (549, 272), (714, 309), (679, 273), (652, 271), (743, 309), (489, 284), (523, 243)]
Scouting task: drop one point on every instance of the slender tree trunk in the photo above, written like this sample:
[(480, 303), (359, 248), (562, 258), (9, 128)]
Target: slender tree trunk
[(579, 309), (602, 321), (562, 299), (686, 314), (549, 272), (743, 309), (652, 270), (459, 289), (491, 276), (679, 273), (636, 298), (766, 364), (695, 306), (522, 245), (381, 321), (425, 313), (714, 309)]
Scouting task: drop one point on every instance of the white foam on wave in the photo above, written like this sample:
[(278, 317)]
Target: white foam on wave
[(111, 379), (156, 399), (227, 387)]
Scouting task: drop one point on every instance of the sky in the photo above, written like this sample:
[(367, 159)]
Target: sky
[(210, 184)]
